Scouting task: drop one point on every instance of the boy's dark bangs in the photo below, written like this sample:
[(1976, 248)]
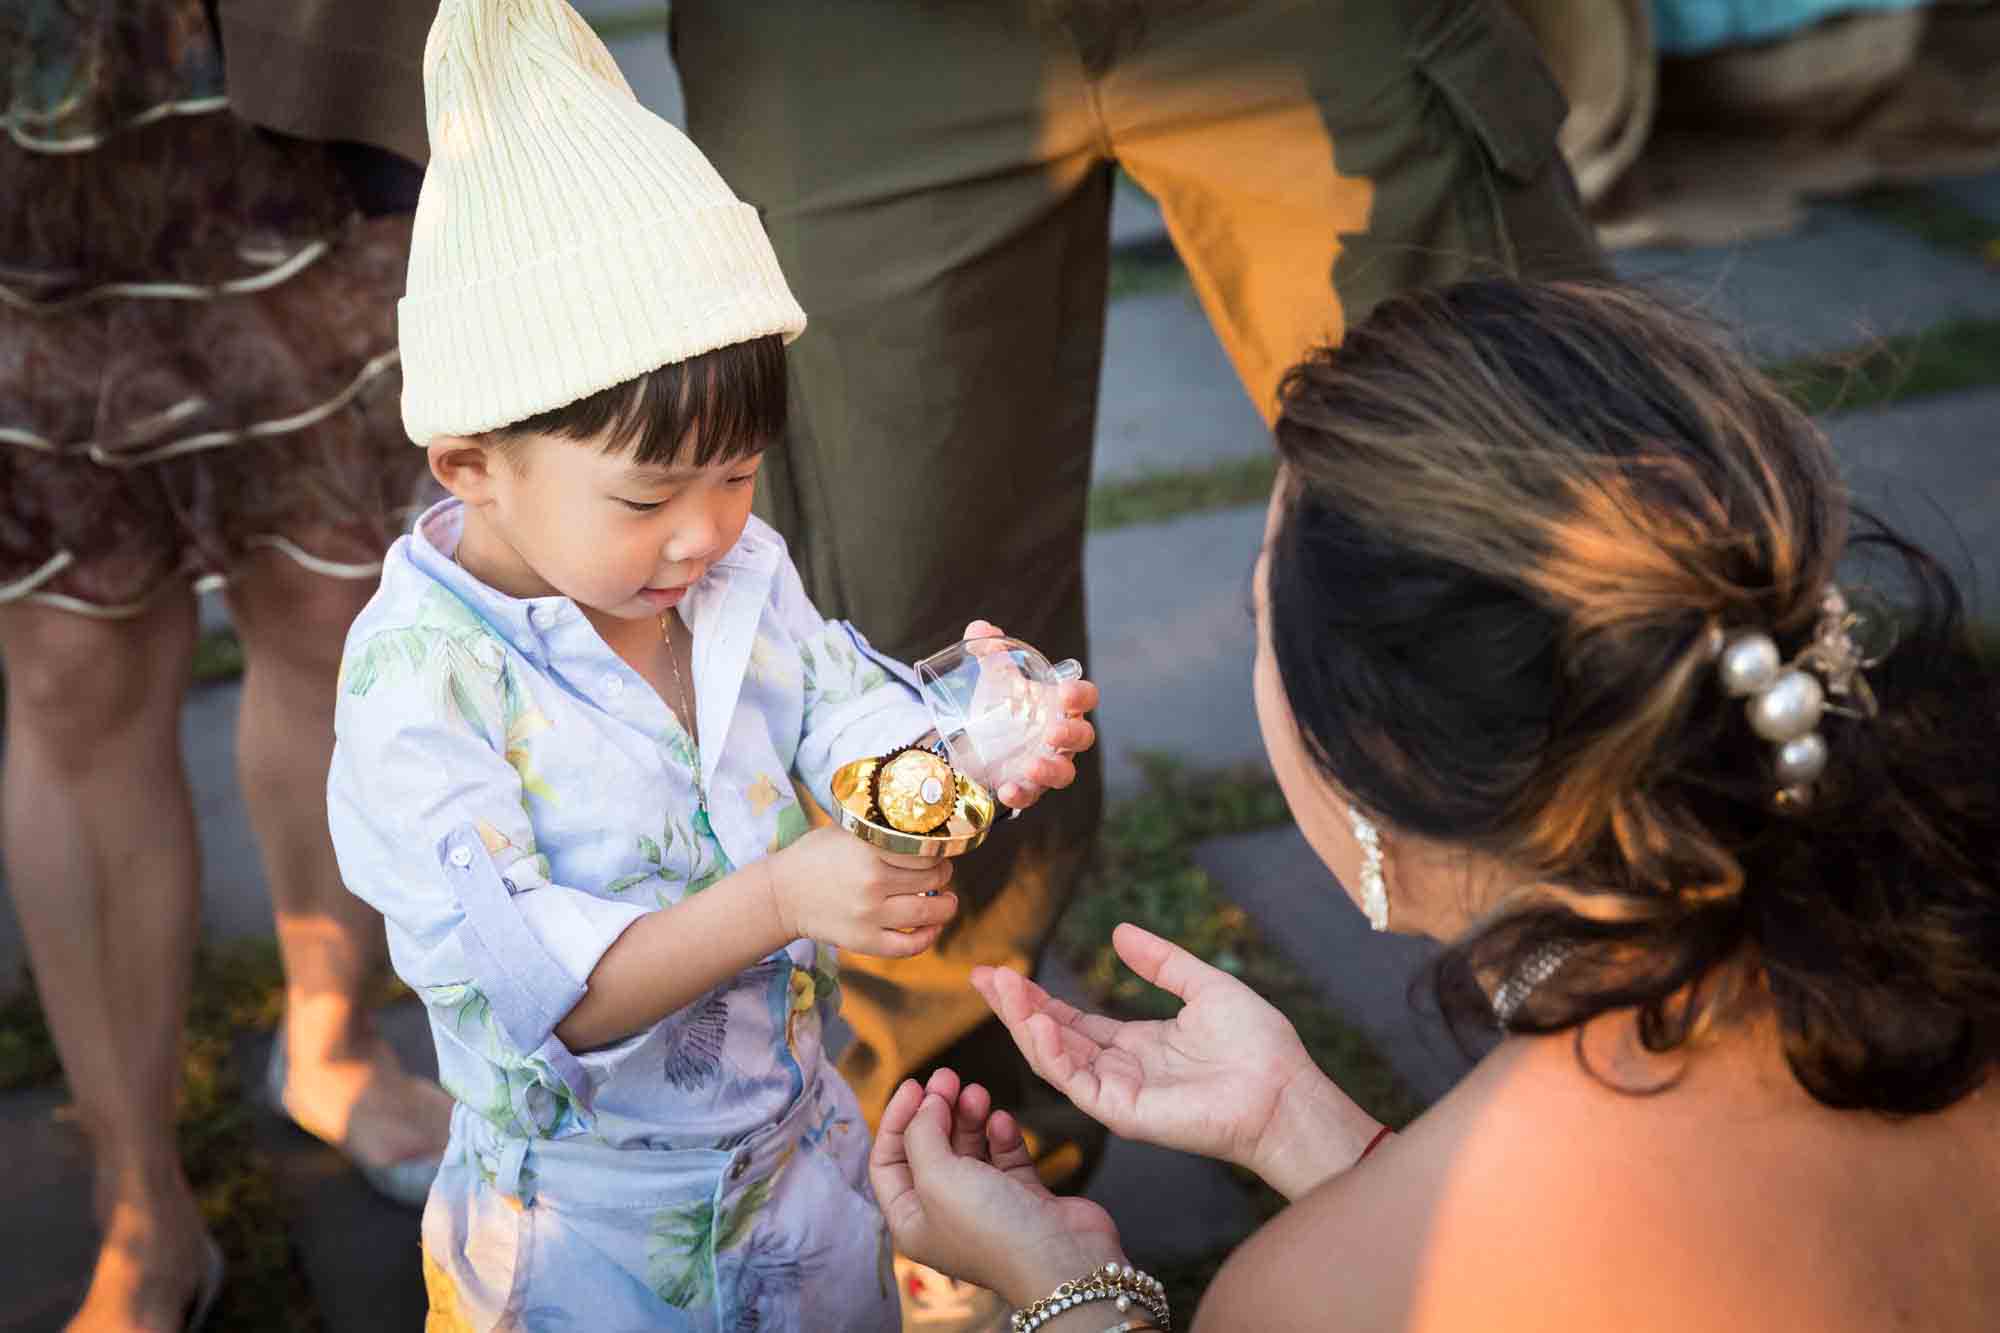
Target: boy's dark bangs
[(712, 408)]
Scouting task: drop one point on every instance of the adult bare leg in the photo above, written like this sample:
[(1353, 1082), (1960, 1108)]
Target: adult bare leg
[(345, 1084), (104, 872)]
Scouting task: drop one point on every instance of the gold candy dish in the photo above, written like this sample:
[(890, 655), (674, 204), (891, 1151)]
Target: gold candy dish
[(971, 815)]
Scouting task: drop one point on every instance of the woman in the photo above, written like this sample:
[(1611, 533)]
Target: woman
[(197, 382), (1547, 622)]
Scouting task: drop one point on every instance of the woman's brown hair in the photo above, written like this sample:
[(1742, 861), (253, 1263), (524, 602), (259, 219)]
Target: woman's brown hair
[(1515, 516)]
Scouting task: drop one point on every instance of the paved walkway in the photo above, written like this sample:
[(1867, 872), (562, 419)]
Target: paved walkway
[(1172, 646)]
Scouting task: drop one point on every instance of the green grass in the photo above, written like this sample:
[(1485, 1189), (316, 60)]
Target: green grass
[(218, 655), (1146, 266), (1934, 218), (636, 22), (1950, 358), (1159, 496), (237, 988), (1947, 358)]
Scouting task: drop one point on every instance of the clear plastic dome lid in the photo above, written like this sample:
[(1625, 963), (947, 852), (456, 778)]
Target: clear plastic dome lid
[(993, 701)]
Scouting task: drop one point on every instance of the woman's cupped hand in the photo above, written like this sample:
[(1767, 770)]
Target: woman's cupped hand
[(958, 1188), (1216, 1079)]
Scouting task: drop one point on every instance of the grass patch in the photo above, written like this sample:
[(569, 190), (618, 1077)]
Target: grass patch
[(235, 988), (638, 22), (27, 1052), (1948, 358), (1145, 872), (1146, 266), (1935, 218), (218, 655), (1160, 496)]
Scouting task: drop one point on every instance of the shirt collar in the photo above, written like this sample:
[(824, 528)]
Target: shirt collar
[(524, 621)]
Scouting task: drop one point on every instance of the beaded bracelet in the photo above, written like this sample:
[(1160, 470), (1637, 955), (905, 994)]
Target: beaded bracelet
[(1120, 1283)]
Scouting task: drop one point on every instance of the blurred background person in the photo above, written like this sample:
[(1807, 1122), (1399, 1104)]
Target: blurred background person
[(198, 385)]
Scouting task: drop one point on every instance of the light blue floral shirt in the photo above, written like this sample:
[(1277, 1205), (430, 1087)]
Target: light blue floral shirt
[(510, 795)]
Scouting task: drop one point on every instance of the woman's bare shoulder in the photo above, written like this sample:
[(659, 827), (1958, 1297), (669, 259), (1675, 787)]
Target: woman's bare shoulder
[(1553, 1189), (1379, 1246), (1550, 1190)]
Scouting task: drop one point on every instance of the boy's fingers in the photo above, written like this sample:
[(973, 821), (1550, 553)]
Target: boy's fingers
[(1071, 736), (908, 911), (1077, 696), (901, 862), (899, 944)]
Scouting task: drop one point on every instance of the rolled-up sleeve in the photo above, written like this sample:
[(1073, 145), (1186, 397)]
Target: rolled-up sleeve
[(429, 828), (858, 702)]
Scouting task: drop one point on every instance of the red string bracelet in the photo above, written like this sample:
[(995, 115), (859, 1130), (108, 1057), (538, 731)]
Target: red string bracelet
[(1380, 1134)]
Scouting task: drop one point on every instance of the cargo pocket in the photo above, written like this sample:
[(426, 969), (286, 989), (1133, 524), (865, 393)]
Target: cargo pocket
[(1487, 73)]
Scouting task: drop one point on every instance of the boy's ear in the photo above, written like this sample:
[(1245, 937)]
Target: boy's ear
[(463, 466)]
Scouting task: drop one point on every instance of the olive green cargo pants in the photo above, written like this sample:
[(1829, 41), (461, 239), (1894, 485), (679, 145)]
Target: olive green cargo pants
[(936, 178)]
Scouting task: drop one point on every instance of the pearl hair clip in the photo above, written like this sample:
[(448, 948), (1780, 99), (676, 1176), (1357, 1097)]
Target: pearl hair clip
[(1787, 700)]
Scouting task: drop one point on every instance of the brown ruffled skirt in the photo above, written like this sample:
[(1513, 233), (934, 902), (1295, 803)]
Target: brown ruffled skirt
[(197, 327)]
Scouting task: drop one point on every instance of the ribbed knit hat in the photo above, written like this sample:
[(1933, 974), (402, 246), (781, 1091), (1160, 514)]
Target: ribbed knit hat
[(567, 239)]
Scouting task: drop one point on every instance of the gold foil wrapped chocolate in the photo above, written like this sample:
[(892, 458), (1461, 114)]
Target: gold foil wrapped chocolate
[(914, 791), (854, 810)]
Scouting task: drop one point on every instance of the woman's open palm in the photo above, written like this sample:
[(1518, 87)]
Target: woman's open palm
[(1206, 1081)]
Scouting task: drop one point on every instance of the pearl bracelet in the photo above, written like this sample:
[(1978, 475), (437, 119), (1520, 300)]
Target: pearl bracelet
[(1122, 1284)]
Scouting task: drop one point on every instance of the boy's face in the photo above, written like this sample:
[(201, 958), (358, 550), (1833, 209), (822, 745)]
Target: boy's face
[(550, 515)]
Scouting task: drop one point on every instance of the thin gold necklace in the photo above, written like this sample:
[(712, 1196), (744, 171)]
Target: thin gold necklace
[(701, 822)]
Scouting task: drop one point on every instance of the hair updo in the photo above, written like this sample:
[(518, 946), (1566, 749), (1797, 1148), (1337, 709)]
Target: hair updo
[(1515, 516)]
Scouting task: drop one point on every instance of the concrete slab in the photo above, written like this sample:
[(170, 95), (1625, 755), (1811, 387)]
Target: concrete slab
[(1135, 219), (1932, 469), (359, 1250), (46, 1228), (1172, 641), (1278, 880), (1981, 194), (1840, 281), (1168, 399)]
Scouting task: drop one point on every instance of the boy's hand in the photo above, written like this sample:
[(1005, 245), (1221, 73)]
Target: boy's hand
[(1071, 736), (830, 885)]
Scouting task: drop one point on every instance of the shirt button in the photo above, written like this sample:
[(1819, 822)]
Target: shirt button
[(461, 856), (613, 684)]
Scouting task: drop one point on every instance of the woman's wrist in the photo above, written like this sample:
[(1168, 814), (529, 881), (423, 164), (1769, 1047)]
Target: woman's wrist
[(1044, 1268), (1316, 1133), (1110, 1294)]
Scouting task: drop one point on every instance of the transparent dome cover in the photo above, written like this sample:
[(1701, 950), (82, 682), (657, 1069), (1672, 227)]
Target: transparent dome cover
[(993, 701)]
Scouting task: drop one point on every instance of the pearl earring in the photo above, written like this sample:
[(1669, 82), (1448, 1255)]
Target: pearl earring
[(1374, 893)]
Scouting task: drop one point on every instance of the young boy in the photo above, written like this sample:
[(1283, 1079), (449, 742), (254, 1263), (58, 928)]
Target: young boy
[(569, 723)]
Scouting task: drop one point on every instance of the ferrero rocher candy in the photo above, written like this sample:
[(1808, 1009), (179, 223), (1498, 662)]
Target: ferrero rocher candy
[(915, 791)]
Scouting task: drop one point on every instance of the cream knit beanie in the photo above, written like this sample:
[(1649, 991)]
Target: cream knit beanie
[(567, 239)]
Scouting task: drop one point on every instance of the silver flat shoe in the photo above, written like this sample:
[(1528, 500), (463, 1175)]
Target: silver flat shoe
[(407, 1182)]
